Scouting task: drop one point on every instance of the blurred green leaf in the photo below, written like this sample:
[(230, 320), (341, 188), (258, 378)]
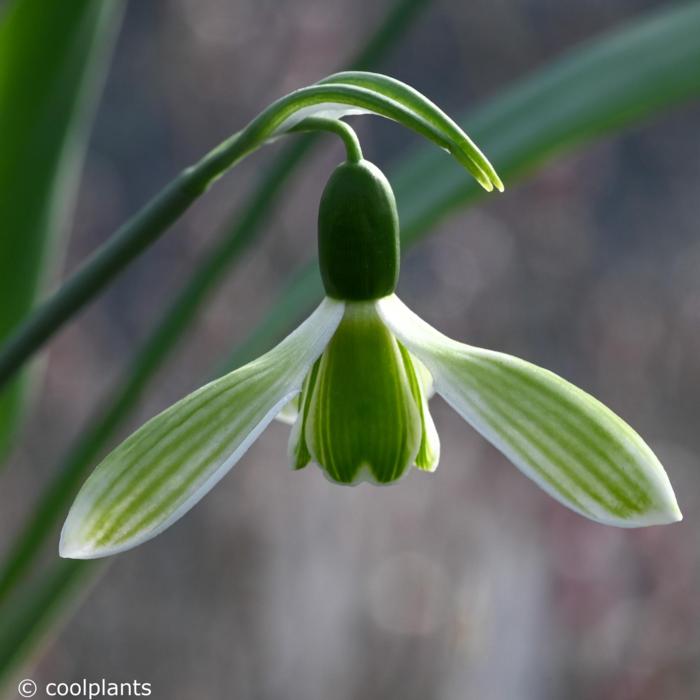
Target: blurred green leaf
[(52, 55), (44, 604), (597, 89)]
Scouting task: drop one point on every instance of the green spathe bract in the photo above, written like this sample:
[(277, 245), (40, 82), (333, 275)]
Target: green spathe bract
[(358, 233)]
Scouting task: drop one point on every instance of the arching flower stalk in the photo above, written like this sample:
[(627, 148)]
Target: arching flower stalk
[(355, 379)]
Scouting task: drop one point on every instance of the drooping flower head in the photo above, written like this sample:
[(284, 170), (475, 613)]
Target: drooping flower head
[(355, 379)]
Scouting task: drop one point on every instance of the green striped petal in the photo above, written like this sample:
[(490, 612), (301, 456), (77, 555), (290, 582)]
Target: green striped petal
[(155, 476), (363, 423), (566, 441), (424, 377)]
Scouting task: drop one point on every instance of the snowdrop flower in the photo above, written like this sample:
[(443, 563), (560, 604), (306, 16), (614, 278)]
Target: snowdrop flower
[(356, 377)]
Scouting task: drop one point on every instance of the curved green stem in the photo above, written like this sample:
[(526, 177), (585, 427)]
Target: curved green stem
[(334, 126)]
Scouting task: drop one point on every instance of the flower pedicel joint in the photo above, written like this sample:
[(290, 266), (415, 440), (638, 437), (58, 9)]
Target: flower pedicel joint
[(355, 379)]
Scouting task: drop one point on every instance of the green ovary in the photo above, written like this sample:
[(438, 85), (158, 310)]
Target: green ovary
[(363, 421)]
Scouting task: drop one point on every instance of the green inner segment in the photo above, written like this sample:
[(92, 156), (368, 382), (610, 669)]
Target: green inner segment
[(363, 420)]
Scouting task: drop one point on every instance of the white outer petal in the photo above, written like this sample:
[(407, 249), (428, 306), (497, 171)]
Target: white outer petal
[(547, 427), (197, 439)]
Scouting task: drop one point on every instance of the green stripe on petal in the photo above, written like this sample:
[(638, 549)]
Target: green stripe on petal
[(161, 471), (363, 423), (424, 377), (299, 455), (568, 442), (418, 378)]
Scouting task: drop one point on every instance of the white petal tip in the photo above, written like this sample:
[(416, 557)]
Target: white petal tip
[(663, 518), (668, 511), (85, 550), (666, 515), (69, 548), (68, 553), (429, 469), (72, 546), (73, 550), (671, 515)]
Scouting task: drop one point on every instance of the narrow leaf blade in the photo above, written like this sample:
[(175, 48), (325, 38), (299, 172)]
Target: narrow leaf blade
[(51, 58)]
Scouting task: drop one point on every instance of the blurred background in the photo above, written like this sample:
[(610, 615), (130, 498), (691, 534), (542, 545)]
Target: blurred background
[(467, 583)]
